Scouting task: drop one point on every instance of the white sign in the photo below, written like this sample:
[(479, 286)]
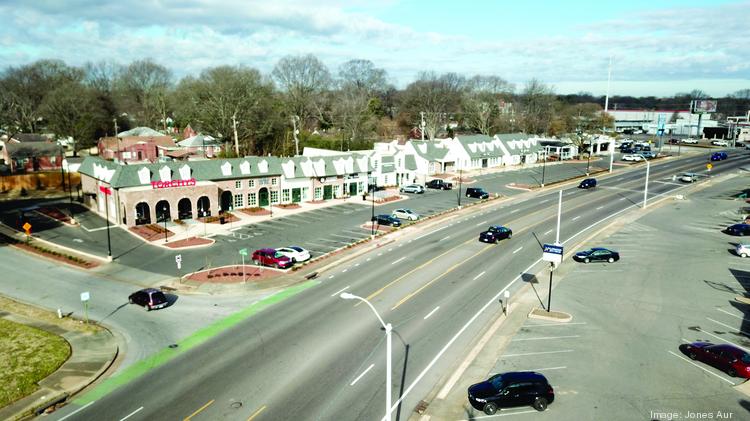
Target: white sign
[(552, 253), (179, 265), (178, 259), (85, 296)]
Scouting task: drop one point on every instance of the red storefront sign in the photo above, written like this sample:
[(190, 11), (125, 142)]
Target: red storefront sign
[(173, 183), (105, 190)]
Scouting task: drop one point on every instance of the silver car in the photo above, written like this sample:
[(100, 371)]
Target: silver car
[(413, 188), (689, 177), (405, 214), (742, 250)]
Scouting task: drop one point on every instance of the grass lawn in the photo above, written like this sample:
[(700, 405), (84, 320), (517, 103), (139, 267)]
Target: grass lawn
[(27, 355)]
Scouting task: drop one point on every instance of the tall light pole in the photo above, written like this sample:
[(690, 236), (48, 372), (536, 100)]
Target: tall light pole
[(606, 108), (460, 185), (388, 329), (544, 163), (645, 188), (372, 220)]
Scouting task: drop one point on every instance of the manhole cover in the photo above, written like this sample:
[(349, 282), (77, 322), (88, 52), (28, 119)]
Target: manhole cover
[(173, 346), (236, 405)]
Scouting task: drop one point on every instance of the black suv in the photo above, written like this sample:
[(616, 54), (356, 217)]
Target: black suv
[(495, 233), (439, 184), (150, 298), (477, 193), (587, 183), (517, 388), (386, 220)]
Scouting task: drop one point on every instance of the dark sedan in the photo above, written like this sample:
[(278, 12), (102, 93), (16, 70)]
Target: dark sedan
[(386, 220), (738, 229), (149, 298), (495, 233), (597, 254), (727, 358)]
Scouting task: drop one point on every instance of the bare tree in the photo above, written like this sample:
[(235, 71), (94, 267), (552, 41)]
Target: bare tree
[(537, 107), (141, 90), (303, 80), (742, 94), (435, 96), (72, 109), (356, 103), (482, 103)]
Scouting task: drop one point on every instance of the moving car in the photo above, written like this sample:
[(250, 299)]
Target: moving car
[(386, 220), (587, 183), (718, 156), (271, 257), (150, 298), (495, 233), (719, 143), (506, 390), (689, 177), (405, 214), (597, 254), (477, 193), (738, 229), (635, 158), (674, 141), (296, 253), (439, 184), (690, 141), (727, 358), (413, 188), (742, 250)]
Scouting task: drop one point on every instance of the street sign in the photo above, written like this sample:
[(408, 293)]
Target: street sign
[(178, 258), (27, 227), (552, 253), (243, 252), (105, 190), (709, 166), (85, 296)]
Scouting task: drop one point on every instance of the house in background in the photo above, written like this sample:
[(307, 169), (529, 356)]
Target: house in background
[(200, 144), (32, 156), (140, 144)]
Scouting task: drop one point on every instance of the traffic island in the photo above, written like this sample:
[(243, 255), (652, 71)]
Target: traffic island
[(191, 242), (553, 316), (237, 274), (151, 232)]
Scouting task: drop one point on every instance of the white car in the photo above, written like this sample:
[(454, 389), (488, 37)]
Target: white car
[(413, 188), (631, 157), (295, 253), (719, 143), (742, 250), (690, 141), (405, 214), (689, 177)]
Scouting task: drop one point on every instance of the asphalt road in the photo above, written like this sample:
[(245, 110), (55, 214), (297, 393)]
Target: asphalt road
[(315, 356)]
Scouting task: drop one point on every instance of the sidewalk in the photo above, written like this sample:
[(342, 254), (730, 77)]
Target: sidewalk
[(91, 355)]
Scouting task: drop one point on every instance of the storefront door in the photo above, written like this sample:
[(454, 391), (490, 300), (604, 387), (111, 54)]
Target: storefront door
[(296, 195), (263, 197), (327, 192), (352, 189)]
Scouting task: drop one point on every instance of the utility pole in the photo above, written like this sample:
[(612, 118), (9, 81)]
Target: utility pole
[(422, 125), (236, 141), (606, 108), (119, 152), (294, 133)]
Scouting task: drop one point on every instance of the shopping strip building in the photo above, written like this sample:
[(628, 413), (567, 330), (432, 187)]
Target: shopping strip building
[(147, 193)]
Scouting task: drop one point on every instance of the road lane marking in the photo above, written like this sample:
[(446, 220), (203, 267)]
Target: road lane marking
[(548, 231), (199, 410), (545, 200), (600, 207), (131, 414), (477, 277), (702, 368), (398, 260), (545, 338), (430, 313), (449, 270), (523, 354), (432, 232), (356, 264), (445, 238), (256, 413), (731, 327), (390, 249), (340, 291), (360, 376), (380, 254), (733, 315), (77, 411), (724, 340), (368, 259), (481, 223), (574, 218), (515, 210), (517, 250), (330, 277), (344, 271), (623, 198)]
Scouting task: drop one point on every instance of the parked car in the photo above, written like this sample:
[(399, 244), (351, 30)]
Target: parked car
[(648, 154), (271, 257), (690, 141), (738, 229), (727, 358), (506, 390), (587, 183), (386, 220), (742, 250), (477, 193), (439, 184), (296, 253), (634, 158), (718, 156), (689, 177), (674, 141), (413, 188), (405, 214), (149, 298), (626, 149), (495, 233), (717, 142), (597, 254)]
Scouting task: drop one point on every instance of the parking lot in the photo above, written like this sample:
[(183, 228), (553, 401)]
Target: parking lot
[(619, 357)]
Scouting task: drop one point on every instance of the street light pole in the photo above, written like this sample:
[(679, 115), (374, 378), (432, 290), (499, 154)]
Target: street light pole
[(164, 215), (645, 188), (372, 219), (544, 163), (388, 329), (460, 185)]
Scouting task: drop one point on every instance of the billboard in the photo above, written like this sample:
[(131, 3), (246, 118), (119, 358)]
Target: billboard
[(704, 106)]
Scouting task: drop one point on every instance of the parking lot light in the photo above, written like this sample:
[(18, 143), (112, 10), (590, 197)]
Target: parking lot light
[(645, 188)]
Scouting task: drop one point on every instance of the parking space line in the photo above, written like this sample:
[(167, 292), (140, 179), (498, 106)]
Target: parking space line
[(430, 313), (477, 277), (724, 340), (256, 413), (554, 324), (517, 250), (546, 337), (731, 327), (702, 368), (360, 376), (339, 291), (505, 413), (348, 237), (398, 260), (562, 367), (733, 315), (523, 354)]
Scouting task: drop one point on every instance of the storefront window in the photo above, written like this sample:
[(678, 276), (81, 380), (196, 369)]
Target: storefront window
[(251, 183), (263, 181), (336, 190), (274, 181), (238, 185), (238, 201), (252, 200), (360, 187), (285, 196), (305, 193), (274, 196), (318, 193)]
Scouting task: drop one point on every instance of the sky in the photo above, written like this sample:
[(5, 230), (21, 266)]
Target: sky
[(657, 47)]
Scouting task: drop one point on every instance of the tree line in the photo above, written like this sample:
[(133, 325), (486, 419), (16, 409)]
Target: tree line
[(301, 98)]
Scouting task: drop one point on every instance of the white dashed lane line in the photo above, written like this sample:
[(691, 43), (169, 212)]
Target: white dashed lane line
[(517, 250), (340, 291), (360, 376), (477, 277), (430, 313), (398, 260), (576, 218)]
